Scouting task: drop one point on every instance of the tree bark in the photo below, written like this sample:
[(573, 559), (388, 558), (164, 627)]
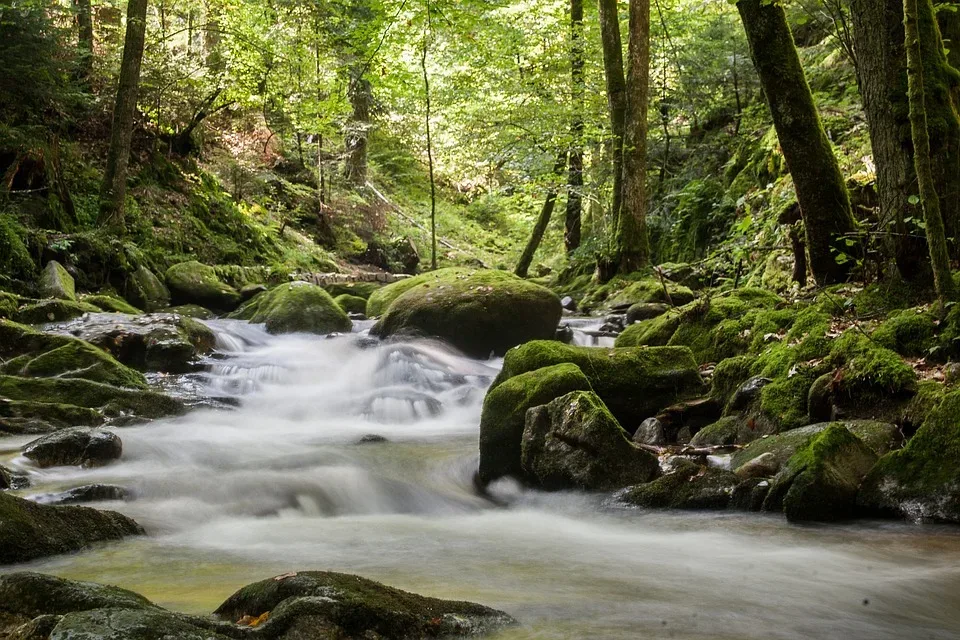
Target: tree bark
[(526, 258), (936, 237), (433, 182), (632, 241), (578, 89), (821, 192), (85, 39), (616, 92), (113, 193), (355, 140)]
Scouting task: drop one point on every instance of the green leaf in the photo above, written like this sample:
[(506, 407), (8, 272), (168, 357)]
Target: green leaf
[(914, 200)]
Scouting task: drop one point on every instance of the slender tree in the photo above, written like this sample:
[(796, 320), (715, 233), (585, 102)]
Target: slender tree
[(936, 237), (361, 98), (821, 191), (632, 242), (616, 92), (578, 90), (536, 237), (433, 182), (113, 193), (85, 38)]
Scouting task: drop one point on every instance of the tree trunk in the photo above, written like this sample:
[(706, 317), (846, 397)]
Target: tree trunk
[(114, 189), (355, 140), (526, 258), (936, 238), (821, 192), (433, 182), (949, 23), (575, 179), (85, 39), (632, 241), (616, 92)]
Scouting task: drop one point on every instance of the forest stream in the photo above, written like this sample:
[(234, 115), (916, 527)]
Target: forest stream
[(284, 474)]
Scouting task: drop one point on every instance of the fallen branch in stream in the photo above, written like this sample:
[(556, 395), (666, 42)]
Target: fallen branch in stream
[(687, 450)]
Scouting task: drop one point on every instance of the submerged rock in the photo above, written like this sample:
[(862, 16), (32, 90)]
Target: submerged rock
[(574, 442), (687, 486), (29, 530), (86, 493), (196, 283), (297, 307), (479, 312), (78, 446)]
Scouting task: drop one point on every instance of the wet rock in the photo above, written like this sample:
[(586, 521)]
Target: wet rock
[(372, 438), (763, 466), (297, 307), (400, 406), (78, 446), (128, 624), (55, 282), (565, 334), (317, 605), (687, 486), (645, 311), (30, 530), (192, 311), (634, 383), (568, 303), (480, 312), (650, 432), (649, 290), (728, 430), (750, 494), (352, 304), (164, 342), (614, 321), (251, 291), (110, 304), (25, 417), (504, 415), (747, 393), (688, 417), (81, 495), (820, 482), (196, 283), (357, 317), (30, 595), (574, 442), (54, 311), (144, 290), (820, 399)]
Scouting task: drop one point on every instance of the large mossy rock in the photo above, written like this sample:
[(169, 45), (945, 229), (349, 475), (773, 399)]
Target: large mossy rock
[(687, 486), (29, 595), (110, 304), (351, 304), (920, 482), (27, 418), (504, 415), (133, 624), (574, 442), (820, 481), (55, 282), (29, 530), (379, 301), (196, 283), (479, 312), (316, 605), (53, 311), (146, 291), (77, 446), (165, 342), (652, 290), (297, 307), (634, 383)]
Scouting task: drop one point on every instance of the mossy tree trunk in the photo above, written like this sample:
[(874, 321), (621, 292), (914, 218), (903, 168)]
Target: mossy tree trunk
[(571, 235), (820, 187), (936, 238), (616, 92), (85, 39), (113, 193), (361, 97), (632, 242), (536, 236)]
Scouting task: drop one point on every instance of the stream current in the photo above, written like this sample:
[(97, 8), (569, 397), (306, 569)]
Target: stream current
[(284, 474)]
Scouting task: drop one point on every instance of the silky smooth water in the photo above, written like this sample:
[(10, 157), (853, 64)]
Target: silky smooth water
[(282, 482)]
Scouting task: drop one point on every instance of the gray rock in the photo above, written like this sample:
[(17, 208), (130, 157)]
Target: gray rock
[(645, 311), (687, 486), (747, 393), (55, 282), (650, 432), (251, 290), (568, 303), (79, 446), (144, 290), (86, 493), (763, 466)]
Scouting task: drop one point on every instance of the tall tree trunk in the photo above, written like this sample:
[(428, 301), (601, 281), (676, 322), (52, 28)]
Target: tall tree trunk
[(575, 179), (616, 92), (949, 23), (215, 61), (361, 97), (536, 236), (936, 238), (433, 182), (114, 189), (85, 39), (632, 241), (821, 192)]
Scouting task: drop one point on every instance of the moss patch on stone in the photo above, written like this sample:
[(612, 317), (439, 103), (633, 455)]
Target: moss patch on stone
[(298, 307), (351, 304), (111, 400), (54, 311), (110, 304), (380, 300), (77, 359), (196, 283)]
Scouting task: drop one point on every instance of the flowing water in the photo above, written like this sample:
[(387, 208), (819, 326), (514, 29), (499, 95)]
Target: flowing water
[(282, 474)]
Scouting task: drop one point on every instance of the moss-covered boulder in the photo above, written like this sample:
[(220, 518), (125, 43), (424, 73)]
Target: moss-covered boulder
[(480, 312), (29, 595), (9, 304), (146, 291), (29, 530), (634, 383), (302, 605), (652, 290), (110, 304), (53, 310), (193, 311), (75, 359), (820, 481), (922, 480), (78, 446), (380, 300), (687, 486), (504, 414), (156, 342), (645, 311), (574, 442), (134, 624), (909, 333), (196, 283), (360, 289), (26, 418), (297, 307), (351, 304), (728, 430), (56, 282)]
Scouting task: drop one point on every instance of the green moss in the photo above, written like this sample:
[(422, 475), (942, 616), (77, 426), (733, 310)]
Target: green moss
[(145, 290), (54, 311), (195, 283), (15, 260), (728, 376), (652, 290), (351, 304), (688, 486), (505, 408), (908, 333), (77, 359), (110, 304), (25, 417), (880, 437), (784, 401), (57, 283), (93, 395), (870, 367), (655, 332), (295, 307), (9, 304), (635, 383), (34, 594), (359, 289), (725, 431), (381, 299)]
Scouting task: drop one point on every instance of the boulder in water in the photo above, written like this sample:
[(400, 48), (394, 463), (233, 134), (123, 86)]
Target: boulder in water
[(86, 493), (195, 283), (78, 446), (479, 312), (55, 282), (54, 311), (504, 415), (574, 442), (297, 307), (652, 290), (26, 417), (687, 486), (351, 304)]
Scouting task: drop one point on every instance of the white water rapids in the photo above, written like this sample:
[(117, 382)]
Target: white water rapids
[(282, 483)]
